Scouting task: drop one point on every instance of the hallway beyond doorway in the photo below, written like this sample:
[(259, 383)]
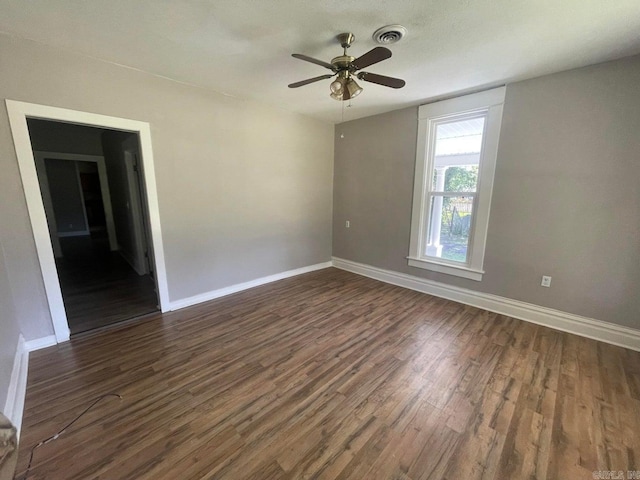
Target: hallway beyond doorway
[(98, 286)]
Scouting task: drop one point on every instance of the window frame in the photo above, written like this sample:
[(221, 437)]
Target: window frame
[(490, 104)]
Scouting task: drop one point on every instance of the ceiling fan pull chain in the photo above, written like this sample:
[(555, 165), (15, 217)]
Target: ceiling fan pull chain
[(342, 122)]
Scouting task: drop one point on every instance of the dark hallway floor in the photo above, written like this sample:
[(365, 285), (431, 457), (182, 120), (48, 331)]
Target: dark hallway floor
[(99, 287)]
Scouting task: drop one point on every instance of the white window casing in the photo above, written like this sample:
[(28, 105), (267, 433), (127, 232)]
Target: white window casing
[(487, 104)]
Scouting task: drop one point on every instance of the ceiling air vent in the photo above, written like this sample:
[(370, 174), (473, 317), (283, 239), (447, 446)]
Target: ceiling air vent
[(389, 34)]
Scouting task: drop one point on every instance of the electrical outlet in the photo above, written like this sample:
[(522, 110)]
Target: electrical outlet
[(546, 281), (347, 224)]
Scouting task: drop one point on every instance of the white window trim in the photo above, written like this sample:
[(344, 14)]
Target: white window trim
[(490, 101)]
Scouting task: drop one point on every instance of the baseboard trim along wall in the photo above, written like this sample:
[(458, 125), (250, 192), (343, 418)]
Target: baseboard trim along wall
[(14, 406), (39, 343), (567, 322), (221, 292)]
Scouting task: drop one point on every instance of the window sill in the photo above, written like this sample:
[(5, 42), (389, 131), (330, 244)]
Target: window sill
[(458, 271)]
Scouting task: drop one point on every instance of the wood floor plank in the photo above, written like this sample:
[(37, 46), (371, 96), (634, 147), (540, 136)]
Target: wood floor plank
[(99, 287), (330, 375)]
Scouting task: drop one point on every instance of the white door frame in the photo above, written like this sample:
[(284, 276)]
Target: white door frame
[(40, 158), (19, 112)]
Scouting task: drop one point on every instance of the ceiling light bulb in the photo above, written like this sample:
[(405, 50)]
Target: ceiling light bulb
[(336, 86), (336, 96), (353, 88)]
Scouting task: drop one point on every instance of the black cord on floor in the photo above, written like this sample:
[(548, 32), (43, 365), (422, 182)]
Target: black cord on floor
[(61, 431)]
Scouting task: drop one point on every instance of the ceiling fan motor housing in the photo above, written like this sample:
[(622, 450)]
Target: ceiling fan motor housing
[(342, 62)]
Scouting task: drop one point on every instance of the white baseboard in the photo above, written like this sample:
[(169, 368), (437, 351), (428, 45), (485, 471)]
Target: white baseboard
[(14, 406), (205, 297), (38, 343), (567, 322)]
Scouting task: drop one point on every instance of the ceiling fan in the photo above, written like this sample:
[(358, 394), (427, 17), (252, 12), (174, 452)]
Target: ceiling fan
[(344, 87)]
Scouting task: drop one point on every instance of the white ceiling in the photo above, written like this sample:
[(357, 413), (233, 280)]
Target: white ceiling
[(243, 48)]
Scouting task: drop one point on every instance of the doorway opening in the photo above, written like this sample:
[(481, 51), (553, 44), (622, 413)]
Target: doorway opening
[(89, 183), (94, 202)]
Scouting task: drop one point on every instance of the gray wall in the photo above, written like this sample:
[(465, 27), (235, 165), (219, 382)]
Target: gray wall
[(66, 196), (244, 189), (566, 199), (9, 330), (121, 202)]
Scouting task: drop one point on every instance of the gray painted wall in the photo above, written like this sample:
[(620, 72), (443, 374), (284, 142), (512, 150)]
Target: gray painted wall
[(114, 147), (566, 198), (9, 331), (244, 189), (47, 136), (66, 196)]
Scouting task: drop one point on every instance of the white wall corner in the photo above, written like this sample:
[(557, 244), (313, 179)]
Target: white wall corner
[(14, 406), (567, 322), (221, 292)]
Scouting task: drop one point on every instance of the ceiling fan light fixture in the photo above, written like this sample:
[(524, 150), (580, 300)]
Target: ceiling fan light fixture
[(337, 86), (349, 90), (353, 88), (346, 67)]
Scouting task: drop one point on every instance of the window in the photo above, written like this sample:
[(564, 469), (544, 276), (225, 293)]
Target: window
[(455, 163)]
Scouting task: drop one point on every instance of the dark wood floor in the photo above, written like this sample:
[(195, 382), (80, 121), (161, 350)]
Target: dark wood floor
[(99, 287), (330, 375)]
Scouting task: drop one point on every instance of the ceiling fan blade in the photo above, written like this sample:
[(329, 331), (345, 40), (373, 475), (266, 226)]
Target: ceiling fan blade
[(308, 81), (381, 80), (299, 56), (372, 56)]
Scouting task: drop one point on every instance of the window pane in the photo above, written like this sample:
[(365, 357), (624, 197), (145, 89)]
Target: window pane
[(450, 228), (457, 155)]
